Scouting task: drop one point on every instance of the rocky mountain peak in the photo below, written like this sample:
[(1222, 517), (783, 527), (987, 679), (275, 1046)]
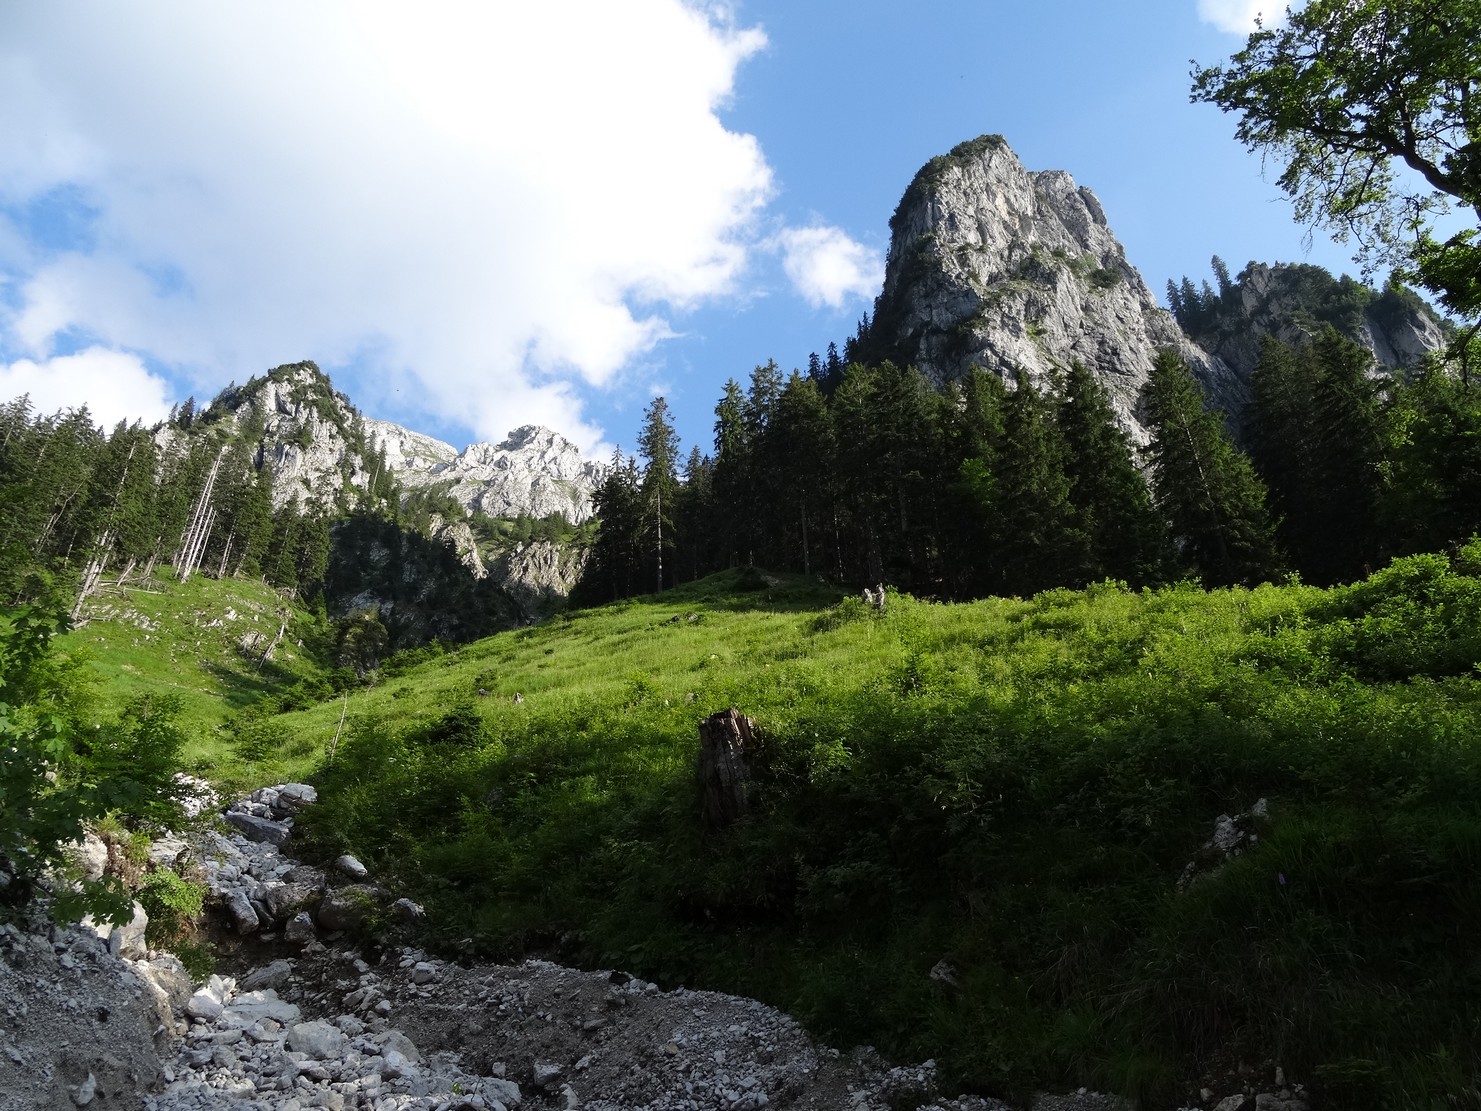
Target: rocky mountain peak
[(533, 472), (295, 423), (994, 266)]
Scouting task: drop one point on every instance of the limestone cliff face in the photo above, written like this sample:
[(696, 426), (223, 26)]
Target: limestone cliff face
[(995, 266), (1295, 302), (306, 431), (408, 453), (539, 576), (534, 472)]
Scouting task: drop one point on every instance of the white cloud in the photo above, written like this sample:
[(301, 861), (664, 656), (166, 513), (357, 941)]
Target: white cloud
[(1237, 17), (113, 385), (828, 267), (491, 203)]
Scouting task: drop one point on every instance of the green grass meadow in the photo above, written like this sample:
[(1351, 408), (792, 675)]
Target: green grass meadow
[(1013, 787), (160, 637)]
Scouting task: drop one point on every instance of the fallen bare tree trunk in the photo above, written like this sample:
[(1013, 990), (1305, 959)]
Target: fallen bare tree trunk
[(724, 739)]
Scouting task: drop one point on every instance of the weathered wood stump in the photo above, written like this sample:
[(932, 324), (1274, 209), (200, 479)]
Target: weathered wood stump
[(724, 739)]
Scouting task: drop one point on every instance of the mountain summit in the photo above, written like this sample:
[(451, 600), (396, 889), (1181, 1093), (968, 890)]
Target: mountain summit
[(534, 472), (994, 266)]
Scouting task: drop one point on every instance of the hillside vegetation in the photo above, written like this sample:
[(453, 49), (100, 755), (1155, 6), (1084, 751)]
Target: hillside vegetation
[(1012, 787), (217, 647)]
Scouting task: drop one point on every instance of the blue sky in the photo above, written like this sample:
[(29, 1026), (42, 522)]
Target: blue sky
[(476, 216)]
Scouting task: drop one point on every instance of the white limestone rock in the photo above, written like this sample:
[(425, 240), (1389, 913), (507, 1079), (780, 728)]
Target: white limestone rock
[(991, 265), (534, 472)]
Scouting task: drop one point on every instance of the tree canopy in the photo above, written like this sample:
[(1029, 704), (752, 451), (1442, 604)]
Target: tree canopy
[(1375, 109)]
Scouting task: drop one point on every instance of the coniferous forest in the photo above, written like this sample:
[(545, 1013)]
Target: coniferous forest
[(868, 474)]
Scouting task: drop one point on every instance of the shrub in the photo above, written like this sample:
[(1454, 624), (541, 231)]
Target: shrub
[(51, 783)]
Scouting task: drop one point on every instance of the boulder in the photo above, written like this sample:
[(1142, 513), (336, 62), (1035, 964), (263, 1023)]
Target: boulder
[(126, 940), (167, 851), (204, 1005), (347, 908), (286, 900), (408, 911), (295, 796), (352, 867), (273, 975), (300, 929), (167, 979), (254, 1006), (243, 915), (91, 855), (317, 1039), (254, 828)]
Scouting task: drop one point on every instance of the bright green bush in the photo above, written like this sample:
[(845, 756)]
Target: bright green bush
[(56, 774)]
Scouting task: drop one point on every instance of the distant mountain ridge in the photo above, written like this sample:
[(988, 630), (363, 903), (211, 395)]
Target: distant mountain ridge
[(324, 456), (319, 446), (533, 472)]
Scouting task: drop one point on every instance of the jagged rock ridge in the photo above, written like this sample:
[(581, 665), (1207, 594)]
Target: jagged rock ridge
[(321, 452), (991, 265), (534, 472)]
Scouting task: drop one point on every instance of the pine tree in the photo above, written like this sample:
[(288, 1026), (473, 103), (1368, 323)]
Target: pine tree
[(1349, 459), (1212, 499), (696, 520), (1040, 542), (611, 567), (863, 499), (1125, 538), (732, 475), (1281, 433), (800, 437), (659, 446), (1227, 290), (973, 430)]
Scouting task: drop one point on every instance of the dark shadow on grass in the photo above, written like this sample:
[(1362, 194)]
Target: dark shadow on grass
[(744, 590), (243, 688)]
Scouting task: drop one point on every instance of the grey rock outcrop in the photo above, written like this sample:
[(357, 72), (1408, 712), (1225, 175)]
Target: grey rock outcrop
[(534, 472), (538, 576), (300, 426), (1295, 302), (993, 266), (305, 436)]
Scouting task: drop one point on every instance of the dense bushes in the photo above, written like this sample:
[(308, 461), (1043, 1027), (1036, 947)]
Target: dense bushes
[(1012, 787), (58, 771)]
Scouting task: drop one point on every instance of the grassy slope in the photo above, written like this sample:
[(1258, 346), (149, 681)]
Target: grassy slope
[(185, 640), (1012, 786)]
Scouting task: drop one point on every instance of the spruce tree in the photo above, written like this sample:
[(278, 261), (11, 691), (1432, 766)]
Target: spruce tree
[(1212, 499), (1349, 458), (659, 446), (612, 564), (732, 475), (1039, 538), (1281, 434), (800, 437), (973, 430), (1124, 536)]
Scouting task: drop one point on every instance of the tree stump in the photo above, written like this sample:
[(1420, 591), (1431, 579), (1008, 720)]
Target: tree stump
[(723, 773)]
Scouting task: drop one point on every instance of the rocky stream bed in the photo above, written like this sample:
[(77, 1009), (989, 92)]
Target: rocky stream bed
[(90, 1017)]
